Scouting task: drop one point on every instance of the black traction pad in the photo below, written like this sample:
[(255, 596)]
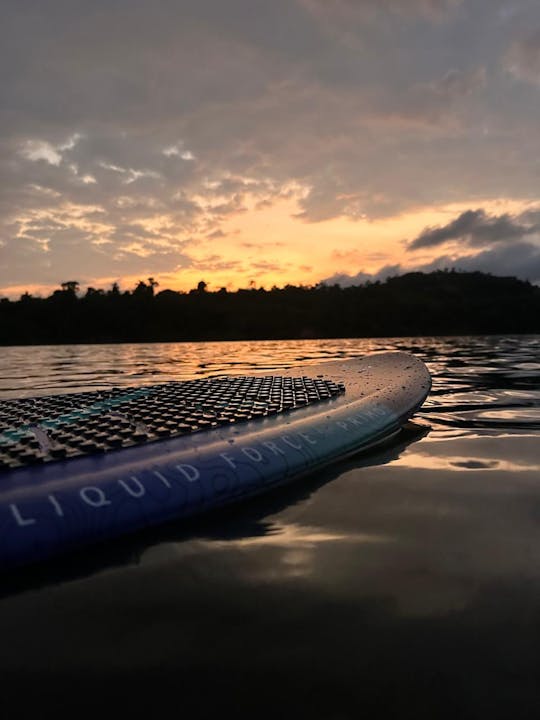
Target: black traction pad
[(55, 427)]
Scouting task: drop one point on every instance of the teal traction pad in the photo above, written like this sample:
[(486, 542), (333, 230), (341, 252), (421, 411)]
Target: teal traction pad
[(44, 429)]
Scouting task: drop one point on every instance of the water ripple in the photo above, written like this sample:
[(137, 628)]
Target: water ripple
[(478, 382)]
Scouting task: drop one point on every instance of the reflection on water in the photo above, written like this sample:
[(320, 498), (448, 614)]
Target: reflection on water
[(477, 381), (401, 583), (43, 369)]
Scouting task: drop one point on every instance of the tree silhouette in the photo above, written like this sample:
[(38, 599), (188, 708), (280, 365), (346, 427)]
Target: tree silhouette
[(71, 287), (438, 303)]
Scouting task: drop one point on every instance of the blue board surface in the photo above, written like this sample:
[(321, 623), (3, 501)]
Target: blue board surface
[(79, 469)]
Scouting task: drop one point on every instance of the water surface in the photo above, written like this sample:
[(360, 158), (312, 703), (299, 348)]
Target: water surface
[(401, 583)]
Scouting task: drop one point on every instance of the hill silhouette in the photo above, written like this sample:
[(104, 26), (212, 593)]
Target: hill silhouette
[(437, 303)]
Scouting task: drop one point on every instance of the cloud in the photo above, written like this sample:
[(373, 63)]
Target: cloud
[(521, 260), (68, 253), (474, 228), (523, 58), (361, 11), (360, 278), (156, 123), (459, 83), (41, 150), (508, 251)]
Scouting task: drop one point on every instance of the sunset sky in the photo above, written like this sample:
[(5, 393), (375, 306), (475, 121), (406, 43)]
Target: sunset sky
[(266, 141)]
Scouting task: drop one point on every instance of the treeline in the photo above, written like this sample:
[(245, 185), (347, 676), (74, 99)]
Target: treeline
[(438, 303)]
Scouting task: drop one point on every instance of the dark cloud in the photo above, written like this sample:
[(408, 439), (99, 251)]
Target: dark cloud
[(521, 260), (474, 228), (360, 278)]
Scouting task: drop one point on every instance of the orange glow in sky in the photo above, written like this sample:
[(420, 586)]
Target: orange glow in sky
[(198, 141)]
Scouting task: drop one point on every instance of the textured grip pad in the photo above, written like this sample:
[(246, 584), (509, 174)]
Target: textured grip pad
[(37, 430)]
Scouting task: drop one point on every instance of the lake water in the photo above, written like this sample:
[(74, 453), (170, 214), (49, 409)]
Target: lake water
[(401, 583)]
